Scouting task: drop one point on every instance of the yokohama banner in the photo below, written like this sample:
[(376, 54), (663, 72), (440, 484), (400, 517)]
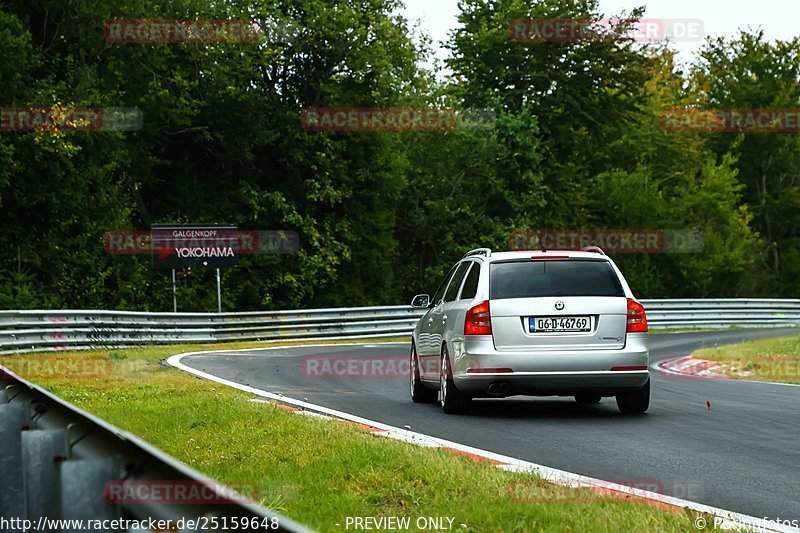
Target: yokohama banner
[(195, 246)]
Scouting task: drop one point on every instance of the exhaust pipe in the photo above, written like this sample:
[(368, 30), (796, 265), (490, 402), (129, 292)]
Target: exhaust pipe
[(499, 388)]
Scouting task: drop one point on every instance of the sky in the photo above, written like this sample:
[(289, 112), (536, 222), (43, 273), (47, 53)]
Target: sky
[(778, 18)]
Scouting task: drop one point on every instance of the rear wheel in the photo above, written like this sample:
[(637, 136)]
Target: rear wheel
[(636, 401), (419, 392), (587, 398), (452, 400)]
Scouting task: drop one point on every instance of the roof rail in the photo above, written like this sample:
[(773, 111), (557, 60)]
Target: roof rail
[(595, 249), (479, 251)]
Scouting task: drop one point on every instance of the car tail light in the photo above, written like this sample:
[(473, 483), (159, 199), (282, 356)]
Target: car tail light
[(637, 319), (478, 320)]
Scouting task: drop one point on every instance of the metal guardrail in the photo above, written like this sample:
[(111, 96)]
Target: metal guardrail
[(58, 462), (29, 331), (722, 313)]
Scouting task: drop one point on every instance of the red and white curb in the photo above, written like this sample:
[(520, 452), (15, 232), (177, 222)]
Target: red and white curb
[(729, 519), (690, 367)]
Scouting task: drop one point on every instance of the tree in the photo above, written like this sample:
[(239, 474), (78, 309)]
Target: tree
[(749, 72)]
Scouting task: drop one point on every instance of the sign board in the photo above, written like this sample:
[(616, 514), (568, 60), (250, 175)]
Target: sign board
[(183, 246)]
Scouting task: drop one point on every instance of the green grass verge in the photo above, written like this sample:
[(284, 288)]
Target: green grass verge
[(775, 359), (319, 472)]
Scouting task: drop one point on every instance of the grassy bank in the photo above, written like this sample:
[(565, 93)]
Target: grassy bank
[(318, 472), (775, 359)]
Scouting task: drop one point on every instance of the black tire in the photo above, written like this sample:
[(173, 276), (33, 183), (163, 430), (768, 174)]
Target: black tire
[(419, 392), (452, 400), (587, 398), (636, 401)]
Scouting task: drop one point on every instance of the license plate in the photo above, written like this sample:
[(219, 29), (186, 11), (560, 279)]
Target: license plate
[(559, 324)]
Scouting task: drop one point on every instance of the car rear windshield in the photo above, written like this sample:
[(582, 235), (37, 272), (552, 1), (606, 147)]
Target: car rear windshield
[(567, 277)]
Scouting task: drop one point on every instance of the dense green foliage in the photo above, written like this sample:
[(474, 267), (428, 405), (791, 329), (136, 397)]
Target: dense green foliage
[(575, 141)]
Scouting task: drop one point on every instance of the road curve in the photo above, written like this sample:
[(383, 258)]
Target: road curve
[(742, 454)]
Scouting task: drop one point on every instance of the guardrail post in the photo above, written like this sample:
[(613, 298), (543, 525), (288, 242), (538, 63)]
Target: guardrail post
[(42, 452), (13, 417), (83, 483)]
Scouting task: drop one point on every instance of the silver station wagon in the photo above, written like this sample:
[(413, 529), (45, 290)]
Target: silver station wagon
[(535, 323)]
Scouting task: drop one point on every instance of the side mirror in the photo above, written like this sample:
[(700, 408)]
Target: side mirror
[(421, 300)]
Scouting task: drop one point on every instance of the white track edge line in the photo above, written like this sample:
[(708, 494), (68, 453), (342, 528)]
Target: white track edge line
[(730, 519)]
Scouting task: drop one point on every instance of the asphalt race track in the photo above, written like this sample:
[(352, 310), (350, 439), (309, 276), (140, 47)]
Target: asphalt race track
[(742, 455)]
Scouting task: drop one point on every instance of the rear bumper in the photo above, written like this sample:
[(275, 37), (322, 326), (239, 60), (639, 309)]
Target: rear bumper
[(555, 384), (549, 373)]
